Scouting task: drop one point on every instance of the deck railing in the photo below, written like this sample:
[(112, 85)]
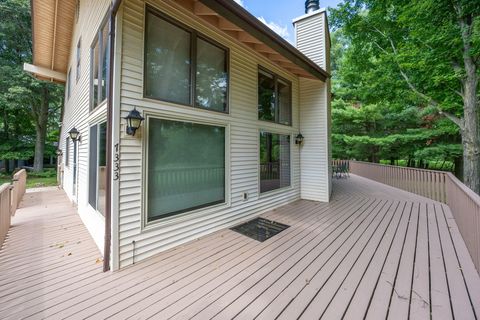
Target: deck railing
[(436, 185), (19, 183), (10, 196), (5, 210)]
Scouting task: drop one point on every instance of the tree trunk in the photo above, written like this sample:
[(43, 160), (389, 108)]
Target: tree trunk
[(41, 121), (470, 128)]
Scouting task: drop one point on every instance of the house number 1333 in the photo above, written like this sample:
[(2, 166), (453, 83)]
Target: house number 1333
[(116, 164)]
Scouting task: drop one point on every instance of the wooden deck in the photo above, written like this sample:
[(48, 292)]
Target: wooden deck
[(374, 252)]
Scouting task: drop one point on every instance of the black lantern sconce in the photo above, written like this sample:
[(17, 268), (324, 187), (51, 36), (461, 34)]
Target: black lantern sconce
[(299, 139), (134, 121), (74, 135)]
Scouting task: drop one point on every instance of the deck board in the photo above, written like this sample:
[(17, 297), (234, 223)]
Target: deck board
[(373, 251)]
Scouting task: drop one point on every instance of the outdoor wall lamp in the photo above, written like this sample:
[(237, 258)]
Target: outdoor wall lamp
[(134, 121), (74, 134), (299, 139)]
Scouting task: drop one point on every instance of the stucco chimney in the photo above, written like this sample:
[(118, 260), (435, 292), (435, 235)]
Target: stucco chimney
[(312, 5)]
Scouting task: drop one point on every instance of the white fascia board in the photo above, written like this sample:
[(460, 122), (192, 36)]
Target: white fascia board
[(44, 72)]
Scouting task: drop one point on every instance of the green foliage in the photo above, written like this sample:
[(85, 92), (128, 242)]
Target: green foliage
[(390, 60), (21, 94)]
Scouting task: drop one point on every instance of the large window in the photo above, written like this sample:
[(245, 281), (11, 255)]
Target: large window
[(274, 161), (274, 98), (97, 167), (183, 67), (185, 167), (100, 53)]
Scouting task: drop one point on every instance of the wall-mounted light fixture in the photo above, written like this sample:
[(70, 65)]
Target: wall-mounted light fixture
[(299, 139), (74, 134), (134, 121)]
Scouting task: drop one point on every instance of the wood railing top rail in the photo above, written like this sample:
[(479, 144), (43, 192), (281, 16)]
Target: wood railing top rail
[(5, 186), (398, 167), (17, 176), (473, 196)]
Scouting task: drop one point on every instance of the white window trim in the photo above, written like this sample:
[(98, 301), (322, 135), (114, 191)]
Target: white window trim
[(196, 213)]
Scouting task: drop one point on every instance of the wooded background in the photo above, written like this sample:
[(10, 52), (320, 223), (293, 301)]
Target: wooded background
[(405, 83)]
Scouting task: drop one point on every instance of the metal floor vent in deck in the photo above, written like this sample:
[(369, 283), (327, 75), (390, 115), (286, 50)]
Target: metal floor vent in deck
[(260, 229)]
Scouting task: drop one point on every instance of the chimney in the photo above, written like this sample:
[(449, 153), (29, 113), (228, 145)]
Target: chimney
[(312, 5), (312, 35)]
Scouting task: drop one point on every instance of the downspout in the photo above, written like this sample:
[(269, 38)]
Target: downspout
[(108, 188)]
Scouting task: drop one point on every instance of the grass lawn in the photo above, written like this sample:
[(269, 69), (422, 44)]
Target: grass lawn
[(47, 178), (37, 182)]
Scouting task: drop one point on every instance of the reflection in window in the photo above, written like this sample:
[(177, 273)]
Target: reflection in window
[(211, 87), (274, 98), (167, 69), (100, 64), (184, 67), (97, 167), (274, 161), (186, 167), (266, 96)]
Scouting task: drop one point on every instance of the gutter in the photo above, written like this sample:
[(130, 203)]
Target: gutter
[(108, 188)]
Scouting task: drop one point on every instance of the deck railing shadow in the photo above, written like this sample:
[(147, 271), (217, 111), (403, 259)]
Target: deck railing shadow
[(437, 185), (10, 197)]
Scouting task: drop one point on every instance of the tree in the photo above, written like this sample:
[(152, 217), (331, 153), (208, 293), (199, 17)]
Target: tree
[(433, 48), (26, 104)]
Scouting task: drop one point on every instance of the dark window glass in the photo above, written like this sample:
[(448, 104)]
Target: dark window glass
[(284, 91), (274, 161), (67, 151), (79, 58), (100, 64), (97, 163), (266, 96), (69, 83), (211, 85), (92, 174), (274, 98), (184, 67), (167, 69), (95, 73), (105, 57), (186, 167)]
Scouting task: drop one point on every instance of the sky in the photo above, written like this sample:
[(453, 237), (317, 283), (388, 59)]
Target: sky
[(278, 15)]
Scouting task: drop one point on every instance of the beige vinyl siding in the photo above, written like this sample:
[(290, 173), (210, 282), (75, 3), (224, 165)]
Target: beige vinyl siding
[(311, 38), (242, 151), (314, 125), (77, 113)]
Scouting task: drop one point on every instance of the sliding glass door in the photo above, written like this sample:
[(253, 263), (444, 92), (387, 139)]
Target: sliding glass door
[(185, 167)]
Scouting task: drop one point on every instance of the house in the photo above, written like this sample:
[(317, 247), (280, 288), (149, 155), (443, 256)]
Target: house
[(183, 117)]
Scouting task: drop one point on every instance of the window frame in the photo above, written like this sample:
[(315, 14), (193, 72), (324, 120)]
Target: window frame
[(67, 151), (190, 213), (69, 83), (290, 157), (276, 78), (97, 40), (97, 137), (194, 35), (79, 59)]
